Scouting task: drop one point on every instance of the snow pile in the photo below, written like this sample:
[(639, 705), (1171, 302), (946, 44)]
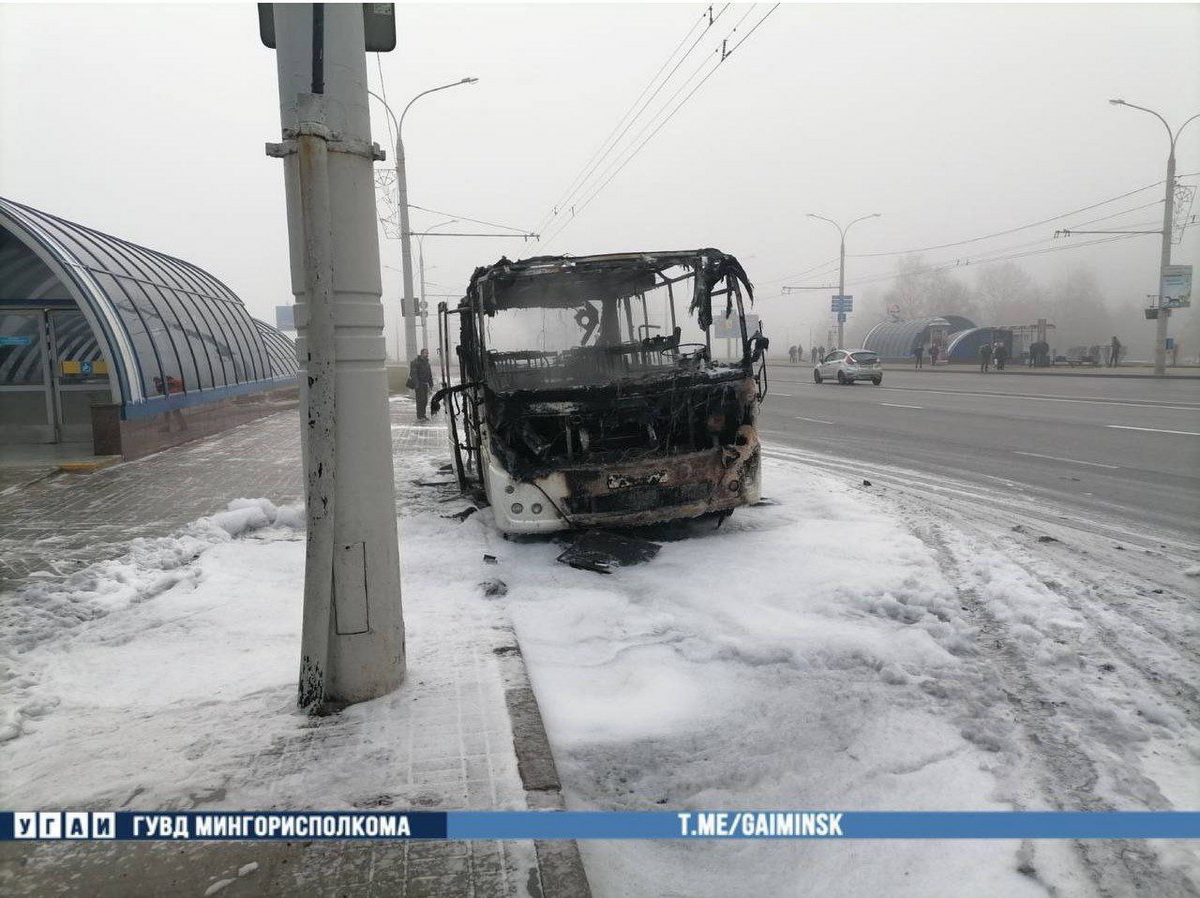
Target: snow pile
[(175, 688), (43, 610)]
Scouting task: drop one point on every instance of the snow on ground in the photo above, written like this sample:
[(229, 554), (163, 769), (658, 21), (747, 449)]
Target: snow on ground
[(121, 679), (165, 679), (842, 649), (51, 608)]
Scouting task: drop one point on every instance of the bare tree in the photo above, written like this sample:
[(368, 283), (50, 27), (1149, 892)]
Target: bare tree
[(1083, 318), (1006, 294), (922, 290)]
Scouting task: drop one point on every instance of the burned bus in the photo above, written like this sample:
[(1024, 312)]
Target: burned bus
[(587, 393)]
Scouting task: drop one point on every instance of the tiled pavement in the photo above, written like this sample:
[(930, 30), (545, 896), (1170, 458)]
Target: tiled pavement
[(459, 751), (64, 522)]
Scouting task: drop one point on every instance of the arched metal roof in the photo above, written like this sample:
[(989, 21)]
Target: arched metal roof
[(171, 331), (965, 345), (281, 351), (896, 339)]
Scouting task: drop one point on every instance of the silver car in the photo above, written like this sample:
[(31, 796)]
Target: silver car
[(849, 365)]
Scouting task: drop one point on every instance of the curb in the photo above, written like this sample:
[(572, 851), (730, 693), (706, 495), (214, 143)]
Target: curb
[(87, 467), (1035, 373), (1023, 372), (560, 865)]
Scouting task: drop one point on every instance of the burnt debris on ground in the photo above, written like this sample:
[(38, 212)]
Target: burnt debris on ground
[(601, 551)]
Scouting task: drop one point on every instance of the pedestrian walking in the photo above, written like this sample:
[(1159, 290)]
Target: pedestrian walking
[(792, 353), (934, 352), (919, 355), (821, 351), (799, 353), (985, 358), (420, 379), (1000, 354), (1115, 350), (1038, 354)]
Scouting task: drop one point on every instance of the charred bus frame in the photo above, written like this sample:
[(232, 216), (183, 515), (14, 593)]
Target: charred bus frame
[(615, 419)]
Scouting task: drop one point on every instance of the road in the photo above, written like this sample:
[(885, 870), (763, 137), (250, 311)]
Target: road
[(1120, 450)]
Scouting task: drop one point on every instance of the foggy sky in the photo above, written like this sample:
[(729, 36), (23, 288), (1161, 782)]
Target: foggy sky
[(953, 121)]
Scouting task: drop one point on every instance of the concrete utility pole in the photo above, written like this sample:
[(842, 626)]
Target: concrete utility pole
[(353, 636), (842, 264), (1164, 314), (407, 309)]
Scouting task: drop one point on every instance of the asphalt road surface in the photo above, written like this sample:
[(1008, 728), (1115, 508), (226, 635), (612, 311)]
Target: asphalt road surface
[(1125, 450)]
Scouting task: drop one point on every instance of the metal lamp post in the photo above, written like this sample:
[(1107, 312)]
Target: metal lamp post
[(842, 264), (406, 310), (1164, 314), (421, 268)]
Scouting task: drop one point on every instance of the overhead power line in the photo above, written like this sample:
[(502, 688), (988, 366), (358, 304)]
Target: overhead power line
[(1080, 224), (617, 162), (981, 261), (907, 252), (799, 274), (610, 142), (490, 224), (1035, 224), (383, 93), (725, 54)]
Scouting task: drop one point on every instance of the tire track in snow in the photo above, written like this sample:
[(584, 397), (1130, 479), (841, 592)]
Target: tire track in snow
[(1050, 749), (1067, 774), (1102, 573)]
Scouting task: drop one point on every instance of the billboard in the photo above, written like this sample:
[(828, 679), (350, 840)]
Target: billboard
[(285, 318), (729, 329), (1176, 287)]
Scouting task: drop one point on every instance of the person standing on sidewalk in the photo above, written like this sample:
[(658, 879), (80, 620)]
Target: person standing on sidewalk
[(1000, 353), (985, 358), (1115, 353), (919, 355), (934, 352), (422, 379)]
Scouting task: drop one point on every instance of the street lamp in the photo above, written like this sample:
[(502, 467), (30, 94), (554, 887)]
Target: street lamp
[(406, 308), (421, 268), (842, 263), (1160, 347)]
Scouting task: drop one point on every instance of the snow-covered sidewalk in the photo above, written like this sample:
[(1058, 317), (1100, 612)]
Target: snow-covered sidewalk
[(164, 678), (851, 647)]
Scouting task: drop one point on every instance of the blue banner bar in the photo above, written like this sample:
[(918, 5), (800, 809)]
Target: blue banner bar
[(525, 825), (824, 824)]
